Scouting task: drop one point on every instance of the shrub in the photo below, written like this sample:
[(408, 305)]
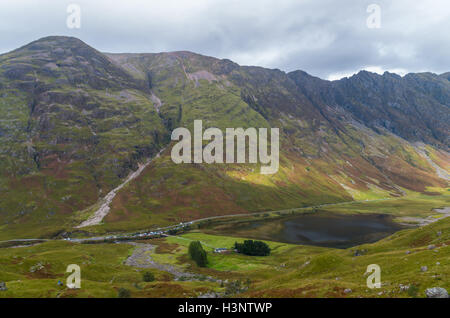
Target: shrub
[(253, 248), (413, 290), (234, 287), (124, 293), (148, 277), (198, 254)]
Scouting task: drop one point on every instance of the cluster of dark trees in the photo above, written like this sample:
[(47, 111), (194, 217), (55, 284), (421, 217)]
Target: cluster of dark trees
[(253, 248), (198, 254)]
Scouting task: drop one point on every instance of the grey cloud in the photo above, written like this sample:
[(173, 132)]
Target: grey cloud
[(322, 37)]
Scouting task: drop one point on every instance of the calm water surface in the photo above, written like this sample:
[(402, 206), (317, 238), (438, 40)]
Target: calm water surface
[(321, 229)]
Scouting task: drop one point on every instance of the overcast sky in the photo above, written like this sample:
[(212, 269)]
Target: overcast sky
[(326, 38)]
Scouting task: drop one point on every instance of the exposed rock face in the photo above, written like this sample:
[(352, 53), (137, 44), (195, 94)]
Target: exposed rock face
[(436, 292), (415, 107)]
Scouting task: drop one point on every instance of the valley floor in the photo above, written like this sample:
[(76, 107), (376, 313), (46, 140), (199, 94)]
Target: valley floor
[(411, 261)]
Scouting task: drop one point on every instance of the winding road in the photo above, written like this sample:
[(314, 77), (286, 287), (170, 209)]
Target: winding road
[(162, 231)]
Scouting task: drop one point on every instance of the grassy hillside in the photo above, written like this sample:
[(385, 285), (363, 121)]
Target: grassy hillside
[(76, 122), (325, 157)]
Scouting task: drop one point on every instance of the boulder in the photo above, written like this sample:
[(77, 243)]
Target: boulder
[(424, 268), (404, 287), (360, 252), (436, 292), (347, 290), (3, 286)]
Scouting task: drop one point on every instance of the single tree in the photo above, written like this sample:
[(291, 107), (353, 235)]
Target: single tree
[(198, 254)]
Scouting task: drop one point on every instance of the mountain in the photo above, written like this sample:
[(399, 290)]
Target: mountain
[(76, 122), (414, 107)]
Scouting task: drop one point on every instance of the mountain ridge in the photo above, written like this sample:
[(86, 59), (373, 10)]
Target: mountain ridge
[(75, 39), (78, 121)]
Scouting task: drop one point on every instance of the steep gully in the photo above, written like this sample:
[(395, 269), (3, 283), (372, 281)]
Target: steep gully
[(104, 209)]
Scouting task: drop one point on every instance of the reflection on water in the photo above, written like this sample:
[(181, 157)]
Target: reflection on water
[(321, 229)]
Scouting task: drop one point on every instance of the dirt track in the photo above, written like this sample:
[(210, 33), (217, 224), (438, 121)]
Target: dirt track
[(141, 258)]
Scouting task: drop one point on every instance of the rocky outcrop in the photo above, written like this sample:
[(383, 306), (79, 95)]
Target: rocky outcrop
[(3, 286), (436, 292)]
